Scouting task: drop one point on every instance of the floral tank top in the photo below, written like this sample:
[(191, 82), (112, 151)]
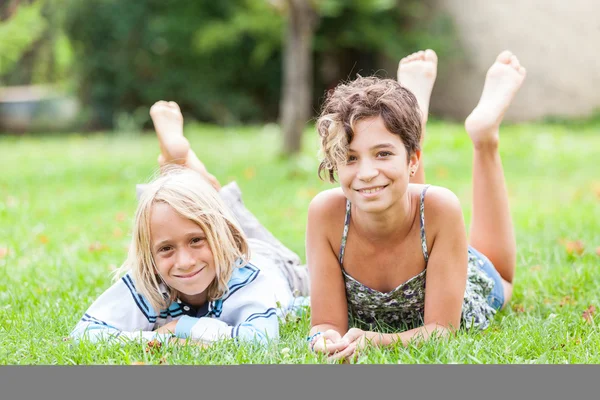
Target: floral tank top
[(403, 308)]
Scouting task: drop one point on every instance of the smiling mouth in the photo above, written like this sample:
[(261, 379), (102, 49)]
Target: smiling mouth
[(371, 190), (190, 275)]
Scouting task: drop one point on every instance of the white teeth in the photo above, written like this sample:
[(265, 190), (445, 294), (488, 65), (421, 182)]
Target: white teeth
[(373, 190)]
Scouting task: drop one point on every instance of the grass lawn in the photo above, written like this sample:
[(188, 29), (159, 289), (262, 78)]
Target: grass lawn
[(67, 201)]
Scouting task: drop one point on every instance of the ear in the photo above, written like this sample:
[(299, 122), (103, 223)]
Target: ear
[(413, 161)]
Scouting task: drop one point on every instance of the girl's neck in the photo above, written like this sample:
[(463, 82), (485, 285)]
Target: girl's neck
[(390, 224)]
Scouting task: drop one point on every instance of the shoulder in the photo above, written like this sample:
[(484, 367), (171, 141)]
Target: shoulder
[(242, 278), (329, 205), (441, 207), (439, 199)]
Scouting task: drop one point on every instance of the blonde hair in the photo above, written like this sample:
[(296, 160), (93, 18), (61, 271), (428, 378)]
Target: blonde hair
[(192, 197), (363, 98)]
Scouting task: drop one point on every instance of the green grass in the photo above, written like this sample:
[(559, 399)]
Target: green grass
[(66, 204)]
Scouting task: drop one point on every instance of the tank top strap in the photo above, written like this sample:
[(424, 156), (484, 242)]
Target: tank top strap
[(422, 219), (345, 233)]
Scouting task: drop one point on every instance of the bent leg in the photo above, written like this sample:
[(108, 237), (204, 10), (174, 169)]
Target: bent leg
[(492, 230), (417, 73), (175, 149)]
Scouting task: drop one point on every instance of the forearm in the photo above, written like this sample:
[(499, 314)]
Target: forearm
[(422, 333)]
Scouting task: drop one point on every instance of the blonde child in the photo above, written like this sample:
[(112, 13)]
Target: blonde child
[(200, 266)]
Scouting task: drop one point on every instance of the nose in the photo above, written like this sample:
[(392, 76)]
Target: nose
[(184, 259), (366, 171)]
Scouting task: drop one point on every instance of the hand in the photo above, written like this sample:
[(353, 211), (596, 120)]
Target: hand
[(355, 340), (167, 328), (328, 342)]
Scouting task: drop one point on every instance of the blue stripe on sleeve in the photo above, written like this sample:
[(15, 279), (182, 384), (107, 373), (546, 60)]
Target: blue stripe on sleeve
[(135, 296), (248, 274), (266, 314)]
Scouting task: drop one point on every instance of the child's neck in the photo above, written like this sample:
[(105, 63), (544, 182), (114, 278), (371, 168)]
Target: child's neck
[(196, 300), (391, 224)]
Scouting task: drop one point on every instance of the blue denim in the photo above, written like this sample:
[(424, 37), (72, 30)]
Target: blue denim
[(496, 298)]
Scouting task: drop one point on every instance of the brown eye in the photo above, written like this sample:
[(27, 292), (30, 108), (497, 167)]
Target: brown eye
[(197, 240)]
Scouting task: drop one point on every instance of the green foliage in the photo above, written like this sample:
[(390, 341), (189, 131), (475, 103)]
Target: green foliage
[(133, 54), (19, 33), (222, 60), (37, 51)]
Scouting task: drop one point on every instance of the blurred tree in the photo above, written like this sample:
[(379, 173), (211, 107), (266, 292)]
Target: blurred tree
[(37, 50), (224, 61)]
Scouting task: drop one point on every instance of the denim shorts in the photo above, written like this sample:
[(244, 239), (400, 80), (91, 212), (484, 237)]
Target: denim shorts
[(496, 298)]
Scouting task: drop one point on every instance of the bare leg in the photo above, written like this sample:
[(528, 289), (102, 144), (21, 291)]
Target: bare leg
[(174, 147), (417, 73), (491, 227)]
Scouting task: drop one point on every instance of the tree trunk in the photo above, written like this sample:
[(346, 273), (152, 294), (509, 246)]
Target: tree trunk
[(296, 96)]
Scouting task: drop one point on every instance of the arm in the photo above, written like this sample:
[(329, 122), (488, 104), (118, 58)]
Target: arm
[(329, 308), (446, 276), (119, 313)]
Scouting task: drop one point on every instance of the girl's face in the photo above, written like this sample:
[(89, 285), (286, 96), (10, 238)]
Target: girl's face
[(378, 167), (181, 253)]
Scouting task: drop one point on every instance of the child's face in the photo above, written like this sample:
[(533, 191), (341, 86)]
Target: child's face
[(181, 253), (378, 168)]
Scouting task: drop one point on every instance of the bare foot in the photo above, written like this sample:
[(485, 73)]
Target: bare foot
[(502, 82), (417, 73), (168, 123)]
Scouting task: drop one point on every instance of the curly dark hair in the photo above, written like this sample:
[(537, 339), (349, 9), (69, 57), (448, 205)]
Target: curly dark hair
[(362, 98)]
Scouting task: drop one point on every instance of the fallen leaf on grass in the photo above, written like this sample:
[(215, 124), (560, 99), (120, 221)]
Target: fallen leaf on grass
[(573, 247), (120, 217), (138, 363), (117, 233), (249, 173), (589, 313), (97, 246), (163, 361), (43, 239), (536, 268), (567, 300), (153, 345), (598, 250), (519, 308), (3, 252)]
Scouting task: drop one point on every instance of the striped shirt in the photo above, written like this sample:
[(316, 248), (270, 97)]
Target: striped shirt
[(250, 310)]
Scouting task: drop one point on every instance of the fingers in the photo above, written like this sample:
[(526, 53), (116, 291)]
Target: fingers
[(353, 334), (347, 353), (323, 345)]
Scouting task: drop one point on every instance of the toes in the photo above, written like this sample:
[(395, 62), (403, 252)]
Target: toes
[(522, 71), (174, 105), (430, 56), (504, 57), (514, 62)]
